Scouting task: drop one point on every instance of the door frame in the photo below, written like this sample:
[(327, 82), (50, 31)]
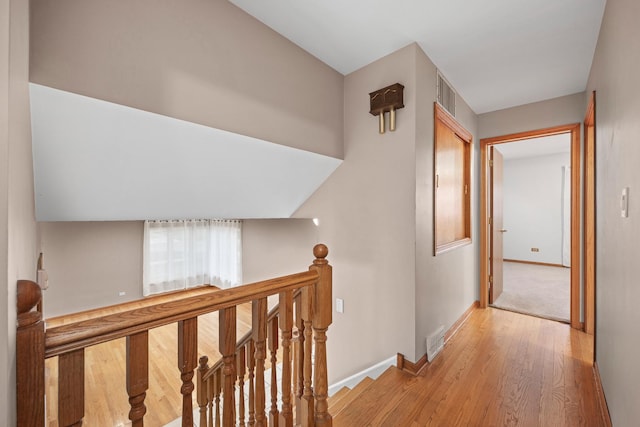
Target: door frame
[(589, 226), (574, 131)]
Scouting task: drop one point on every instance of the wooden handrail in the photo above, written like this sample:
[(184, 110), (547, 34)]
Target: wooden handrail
[(312, 290), (84, 333), (303, 384)]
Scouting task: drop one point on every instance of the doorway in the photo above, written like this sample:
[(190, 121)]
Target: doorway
[(530, 212), (491, 231)]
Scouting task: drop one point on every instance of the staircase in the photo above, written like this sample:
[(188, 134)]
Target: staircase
[(292, 334), (353, 407)]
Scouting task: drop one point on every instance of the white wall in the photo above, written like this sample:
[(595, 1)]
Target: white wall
[(614, 76), (532, 214), (17, 219)]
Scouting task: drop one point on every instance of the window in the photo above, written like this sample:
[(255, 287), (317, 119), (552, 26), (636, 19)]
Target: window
[(452, 183), (186, 253)]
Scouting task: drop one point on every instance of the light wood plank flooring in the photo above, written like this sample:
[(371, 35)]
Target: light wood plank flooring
[(500, 369)]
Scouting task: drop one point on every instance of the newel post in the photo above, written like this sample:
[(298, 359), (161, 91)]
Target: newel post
[(322, 318), (29, 356)]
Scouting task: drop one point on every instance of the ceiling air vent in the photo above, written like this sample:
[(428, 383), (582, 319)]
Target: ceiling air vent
[(446, 96)]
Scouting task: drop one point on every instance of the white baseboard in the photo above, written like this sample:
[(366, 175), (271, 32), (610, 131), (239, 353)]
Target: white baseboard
[(373, 371)]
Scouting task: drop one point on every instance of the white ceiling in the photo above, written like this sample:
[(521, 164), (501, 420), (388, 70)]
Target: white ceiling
[(496, 53), (95, 160), (542, 146)]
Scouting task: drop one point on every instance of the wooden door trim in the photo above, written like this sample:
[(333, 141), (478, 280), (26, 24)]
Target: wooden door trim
[(589, 242), (574, 130)]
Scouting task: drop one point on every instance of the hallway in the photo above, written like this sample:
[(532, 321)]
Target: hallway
[(501, 368)]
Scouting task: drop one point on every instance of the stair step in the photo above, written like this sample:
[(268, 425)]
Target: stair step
[(351, 396), (337, 396), (359, 412)]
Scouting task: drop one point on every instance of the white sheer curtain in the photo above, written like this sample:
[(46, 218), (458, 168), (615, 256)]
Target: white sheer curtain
[(186, 253)]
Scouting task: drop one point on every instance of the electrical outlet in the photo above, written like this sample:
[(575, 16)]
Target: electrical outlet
[(535, 250), (121, 293)]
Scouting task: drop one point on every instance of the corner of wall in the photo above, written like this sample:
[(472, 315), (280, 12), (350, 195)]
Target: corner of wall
[(444, 289)]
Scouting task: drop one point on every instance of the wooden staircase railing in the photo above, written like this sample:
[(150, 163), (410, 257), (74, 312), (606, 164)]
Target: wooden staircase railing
[(279, 322), (242, 365)]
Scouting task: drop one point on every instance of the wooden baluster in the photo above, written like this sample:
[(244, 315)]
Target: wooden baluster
[(187, 362), (298, 357), (29, 356), (71, 388), (251, 364), (202, 392), (259, 322), (285, 317), (217, 387), (306, 402), (241, 369), (273, 335), (227, 343), (321, 320), (137, 375)]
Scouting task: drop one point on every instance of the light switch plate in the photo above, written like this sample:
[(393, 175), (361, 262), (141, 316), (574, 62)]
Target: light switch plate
[(624, 203), (339, 305)]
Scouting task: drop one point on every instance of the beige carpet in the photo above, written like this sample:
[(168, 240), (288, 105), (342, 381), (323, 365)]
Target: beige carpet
[(536, 289)]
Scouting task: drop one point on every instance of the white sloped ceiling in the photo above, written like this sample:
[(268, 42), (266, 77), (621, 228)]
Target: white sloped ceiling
[(99, 161)]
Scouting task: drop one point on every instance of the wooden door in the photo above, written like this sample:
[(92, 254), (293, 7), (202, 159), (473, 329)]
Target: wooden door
[(495, 249)]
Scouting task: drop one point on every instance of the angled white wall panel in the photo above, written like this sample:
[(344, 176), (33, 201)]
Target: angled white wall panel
[(95, 160)]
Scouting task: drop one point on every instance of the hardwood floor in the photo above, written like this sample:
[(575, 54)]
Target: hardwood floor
[(500, 369), (106, 400)]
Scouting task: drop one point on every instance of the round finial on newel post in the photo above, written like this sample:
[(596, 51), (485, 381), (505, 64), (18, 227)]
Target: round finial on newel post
[(28, 296), (320, 251)]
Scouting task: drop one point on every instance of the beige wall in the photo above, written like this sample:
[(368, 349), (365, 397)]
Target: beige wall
[(367, 218), (276, 247), (614, 76), (8, 348), (90, 263), (446, 285), (204, 61), (539, 115), (17, 219)]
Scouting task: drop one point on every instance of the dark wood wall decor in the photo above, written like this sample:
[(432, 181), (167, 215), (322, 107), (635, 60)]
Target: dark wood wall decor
[(387, 99)]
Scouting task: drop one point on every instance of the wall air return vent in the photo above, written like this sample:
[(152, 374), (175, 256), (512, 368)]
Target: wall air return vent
[(446, 96)]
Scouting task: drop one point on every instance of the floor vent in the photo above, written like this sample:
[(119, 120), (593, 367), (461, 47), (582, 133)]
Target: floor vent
[(446, 96), (435, 343)]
